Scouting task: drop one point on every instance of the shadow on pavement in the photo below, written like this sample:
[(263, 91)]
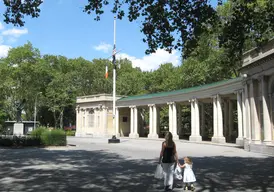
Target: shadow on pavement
[(80, 170)]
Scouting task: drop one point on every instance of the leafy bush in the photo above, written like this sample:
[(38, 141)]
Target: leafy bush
[(40, 136), (70, 133), (55, 137), (16, 141), (38, 132)]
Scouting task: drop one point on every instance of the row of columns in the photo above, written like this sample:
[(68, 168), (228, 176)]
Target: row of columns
[(173, 120), (252, 123)]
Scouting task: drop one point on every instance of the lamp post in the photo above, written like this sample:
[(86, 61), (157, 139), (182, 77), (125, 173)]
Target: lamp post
[(114, 139), (35, 102)]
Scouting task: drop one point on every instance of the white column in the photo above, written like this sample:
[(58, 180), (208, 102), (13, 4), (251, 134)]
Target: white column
[(255, 132), (239, 140), (203, 132), (215, 118), (155, 124), (78, 122), (131, 122), (266, 111), (230, 119), (170, 113), (195, 121), (150, 121), (243, 114), (117, 119), (174, 122), (219, 116), (136, 134), (247, 113)]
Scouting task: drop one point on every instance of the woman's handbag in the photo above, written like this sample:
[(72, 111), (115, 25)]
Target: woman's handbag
[(159, 173)]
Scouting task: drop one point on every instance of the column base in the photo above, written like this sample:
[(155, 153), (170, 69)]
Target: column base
[(196, 138), (256, 142), (268, 142), (240, 141), (133, 135), (218, 140), (175, 137)]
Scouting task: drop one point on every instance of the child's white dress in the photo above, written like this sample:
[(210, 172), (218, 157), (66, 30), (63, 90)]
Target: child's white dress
[(189, 176)]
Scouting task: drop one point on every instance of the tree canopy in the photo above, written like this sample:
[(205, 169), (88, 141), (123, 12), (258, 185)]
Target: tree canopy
[(178, 25)]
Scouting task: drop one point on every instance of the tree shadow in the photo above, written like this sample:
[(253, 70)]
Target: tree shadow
[(81, 170)]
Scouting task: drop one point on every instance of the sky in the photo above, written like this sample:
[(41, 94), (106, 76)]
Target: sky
[(64, 29)]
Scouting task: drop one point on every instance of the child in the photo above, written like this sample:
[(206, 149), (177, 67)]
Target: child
[(189, 176)]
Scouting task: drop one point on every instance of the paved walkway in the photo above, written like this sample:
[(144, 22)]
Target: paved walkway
[(94, 165)]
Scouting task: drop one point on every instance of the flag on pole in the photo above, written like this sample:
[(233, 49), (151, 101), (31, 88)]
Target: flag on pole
[(106, 74), (114, 56)]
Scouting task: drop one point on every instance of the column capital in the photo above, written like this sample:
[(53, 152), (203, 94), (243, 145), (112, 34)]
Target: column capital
[(238, 91), (151, 105), (192, 100), (170, 103), (104, 107), (214, 96), (132, 106)]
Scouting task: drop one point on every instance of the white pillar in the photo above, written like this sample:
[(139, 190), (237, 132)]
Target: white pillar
[(266, 111), (174, 122), (239, 140), (150, 121), (219, 118), (247, 113), (170, 113), (131, 122), (78, 122), (256, 131), (203, 132), (136, 134), (243, 114), (155, 124), (195, 121), (117, 119)]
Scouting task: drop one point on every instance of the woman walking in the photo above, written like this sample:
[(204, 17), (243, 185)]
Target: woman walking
[(169, 159)]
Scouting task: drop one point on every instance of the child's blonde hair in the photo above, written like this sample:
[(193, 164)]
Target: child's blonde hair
[(188, 160)]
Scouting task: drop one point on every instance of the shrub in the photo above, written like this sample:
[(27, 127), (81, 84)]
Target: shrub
[(17, 141), (70, 133), (55, 137), (38, 132)]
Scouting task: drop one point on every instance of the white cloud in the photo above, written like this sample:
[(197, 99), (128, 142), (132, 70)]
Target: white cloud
[(103, 47), (152, 61), (1, 26), (4, 49), (15, 32)]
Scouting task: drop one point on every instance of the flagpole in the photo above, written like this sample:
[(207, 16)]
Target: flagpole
[(114, 139)]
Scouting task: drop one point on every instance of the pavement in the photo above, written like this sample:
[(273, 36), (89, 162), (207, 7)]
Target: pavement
[(91, 164)]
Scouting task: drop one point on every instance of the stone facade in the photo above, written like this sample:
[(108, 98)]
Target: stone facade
[(252, 94)]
